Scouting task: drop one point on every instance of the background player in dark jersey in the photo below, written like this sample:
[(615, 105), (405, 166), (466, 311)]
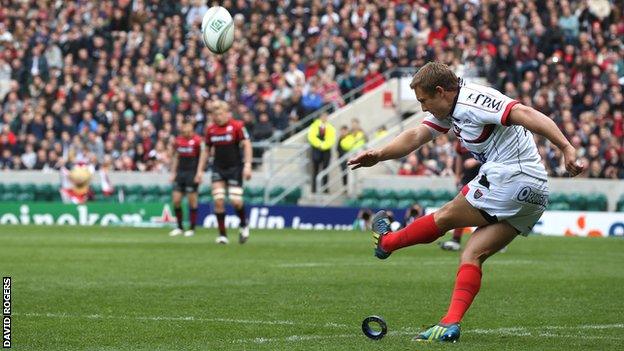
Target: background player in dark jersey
[(187, 172), (466, 168), (230, 166)]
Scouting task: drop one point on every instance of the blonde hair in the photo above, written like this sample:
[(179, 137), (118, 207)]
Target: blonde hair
[(432, 75)]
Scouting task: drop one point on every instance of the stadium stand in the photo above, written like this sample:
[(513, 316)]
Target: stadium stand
[(131, 193), (81, 81), (372, 198)]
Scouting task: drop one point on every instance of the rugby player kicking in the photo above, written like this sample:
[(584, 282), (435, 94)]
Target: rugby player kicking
[(506, 198)]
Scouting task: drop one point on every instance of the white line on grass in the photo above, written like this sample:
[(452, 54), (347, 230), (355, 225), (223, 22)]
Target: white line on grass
[(513, 331), (404, 263), (508, 331), (181, 318)]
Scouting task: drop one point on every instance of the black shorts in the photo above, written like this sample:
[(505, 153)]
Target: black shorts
[(185, 182), (232, 176)]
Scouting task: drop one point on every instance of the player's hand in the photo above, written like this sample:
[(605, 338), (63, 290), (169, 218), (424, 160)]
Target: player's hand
[(573, 166), (198, 177), (247, 171), (367, 158), (172, 178)]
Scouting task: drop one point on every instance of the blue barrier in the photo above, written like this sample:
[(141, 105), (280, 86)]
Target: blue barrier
[(295, 217)]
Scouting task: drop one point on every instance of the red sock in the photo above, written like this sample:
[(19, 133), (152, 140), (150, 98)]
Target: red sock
[(466, 288), (421, 231)]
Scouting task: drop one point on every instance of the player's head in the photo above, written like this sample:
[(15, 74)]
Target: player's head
[(187, 127), (221, 112), (435, 86)]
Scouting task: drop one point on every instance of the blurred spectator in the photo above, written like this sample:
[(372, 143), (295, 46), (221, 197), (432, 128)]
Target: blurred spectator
[(412, 213), (322, 137), (414, 167), (355, 139), (363, 220), (263, 129), (380, 132), (342, 149)]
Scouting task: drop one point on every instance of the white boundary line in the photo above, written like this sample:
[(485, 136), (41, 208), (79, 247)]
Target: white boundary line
[(514, 331), (542, 331), (325, 264), (181, 318)]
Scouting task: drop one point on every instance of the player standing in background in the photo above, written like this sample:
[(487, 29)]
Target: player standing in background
[(466, 168), (505, 199), (224, 137), (188, 165)]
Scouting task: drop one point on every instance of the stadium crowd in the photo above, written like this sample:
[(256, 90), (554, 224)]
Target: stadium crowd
[(108, 82)]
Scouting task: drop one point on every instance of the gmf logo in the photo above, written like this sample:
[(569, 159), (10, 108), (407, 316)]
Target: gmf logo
[(580, 222)]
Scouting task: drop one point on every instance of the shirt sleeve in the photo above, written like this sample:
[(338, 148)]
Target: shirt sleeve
[(242, 132), (198, 143), (436, 126), (207, 138)]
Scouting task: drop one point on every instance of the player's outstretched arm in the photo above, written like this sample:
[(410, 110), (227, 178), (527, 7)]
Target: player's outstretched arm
[(539, 123), (400, 146), (247, 158), (201, 166)]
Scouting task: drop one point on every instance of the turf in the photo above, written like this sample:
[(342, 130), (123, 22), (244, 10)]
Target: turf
[(87, 288)]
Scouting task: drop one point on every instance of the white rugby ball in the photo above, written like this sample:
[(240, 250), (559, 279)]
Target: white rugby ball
[(218, 29)]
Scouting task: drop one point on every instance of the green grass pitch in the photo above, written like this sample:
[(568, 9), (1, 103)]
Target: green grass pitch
[(88, 288)]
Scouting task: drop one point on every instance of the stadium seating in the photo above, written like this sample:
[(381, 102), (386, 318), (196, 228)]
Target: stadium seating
[(375, 198), (369, 198), (132, 193), (620, 204)]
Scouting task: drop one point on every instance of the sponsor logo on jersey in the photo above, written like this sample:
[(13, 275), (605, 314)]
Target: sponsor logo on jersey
[(485, 101), (185, 149), (221, 138), (532, 196)]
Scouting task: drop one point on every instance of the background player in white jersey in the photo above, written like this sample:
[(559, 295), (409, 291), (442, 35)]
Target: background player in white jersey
[(505, 199)]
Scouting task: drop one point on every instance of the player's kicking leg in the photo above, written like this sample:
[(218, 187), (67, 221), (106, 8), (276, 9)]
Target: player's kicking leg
[(483, 243), (218, 194), (177, 207), (236, 197), (426, 229)]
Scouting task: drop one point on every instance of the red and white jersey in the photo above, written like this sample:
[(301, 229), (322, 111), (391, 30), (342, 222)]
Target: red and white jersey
[(479, 120), (226, 141), (188, 150)]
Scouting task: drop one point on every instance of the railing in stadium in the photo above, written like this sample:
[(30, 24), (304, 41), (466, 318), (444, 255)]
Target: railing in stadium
[(273, 168)]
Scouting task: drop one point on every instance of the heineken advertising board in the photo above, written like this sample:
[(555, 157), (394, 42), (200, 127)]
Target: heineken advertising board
[(101, 214)]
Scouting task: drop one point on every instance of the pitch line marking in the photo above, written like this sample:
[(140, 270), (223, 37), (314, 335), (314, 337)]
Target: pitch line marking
[(183, 318), (509, 331), (368, 264), (505, 331)]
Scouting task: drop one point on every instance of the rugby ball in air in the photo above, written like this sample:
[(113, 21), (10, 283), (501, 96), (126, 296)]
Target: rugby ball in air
[(218, 29)]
